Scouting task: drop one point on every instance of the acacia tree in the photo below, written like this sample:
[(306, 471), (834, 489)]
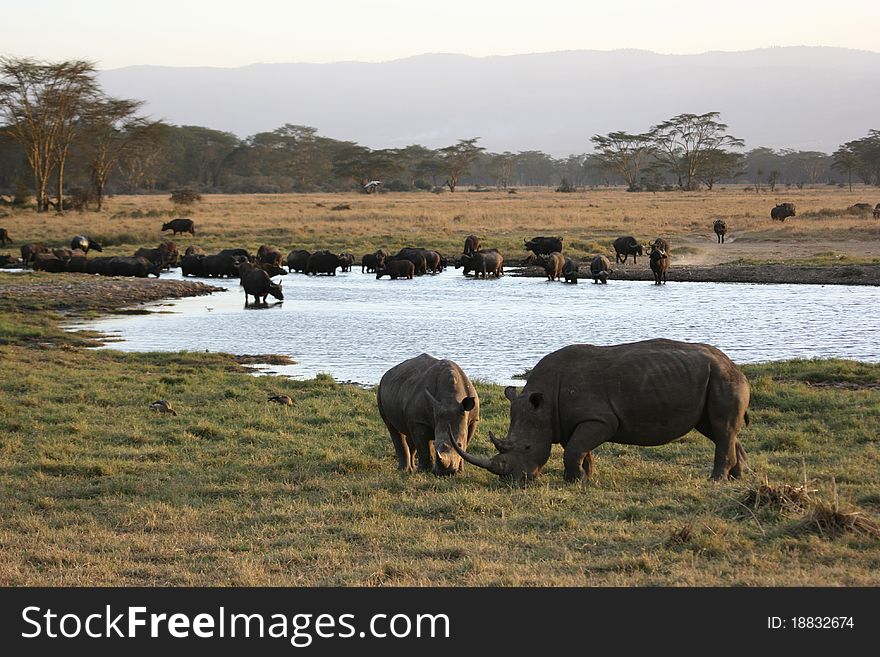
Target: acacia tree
[(503, 165), (717, 164), (683, 141), (846, 160), (458, 159), (113, 128), (624, 154), (42, 104)]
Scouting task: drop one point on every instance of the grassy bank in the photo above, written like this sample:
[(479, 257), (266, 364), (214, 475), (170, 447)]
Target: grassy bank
[(589, 221), (95, 489)]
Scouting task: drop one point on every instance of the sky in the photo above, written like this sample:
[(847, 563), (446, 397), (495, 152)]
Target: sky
[(232, 33)]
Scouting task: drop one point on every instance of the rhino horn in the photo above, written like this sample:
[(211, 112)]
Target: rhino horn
[(479, 461), (499, 444)]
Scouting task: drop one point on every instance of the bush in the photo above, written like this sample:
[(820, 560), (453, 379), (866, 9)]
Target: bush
[(398, 186), (185, 196), (423, 185), (565, 186)]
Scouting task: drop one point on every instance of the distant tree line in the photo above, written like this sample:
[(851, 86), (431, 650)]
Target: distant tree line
[(64, 143)]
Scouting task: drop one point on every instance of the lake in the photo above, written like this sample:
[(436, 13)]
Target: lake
[(356, 327)]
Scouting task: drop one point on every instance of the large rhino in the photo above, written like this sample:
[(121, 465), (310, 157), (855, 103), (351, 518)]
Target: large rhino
[(644, 393), (428, 405)]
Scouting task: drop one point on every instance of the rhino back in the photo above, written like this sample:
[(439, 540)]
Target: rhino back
[(651, 391)]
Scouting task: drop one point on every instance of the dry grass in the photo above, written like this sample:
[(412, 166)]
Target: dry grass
[(589, 220)]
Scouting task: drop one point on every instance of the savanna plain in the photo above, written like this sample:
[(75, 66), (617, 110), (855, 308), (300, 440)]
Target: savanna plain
[(96, 489)]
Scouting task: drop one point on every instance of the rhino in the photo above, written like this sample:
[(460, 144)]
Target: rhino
[(645, 393), (428, 406)]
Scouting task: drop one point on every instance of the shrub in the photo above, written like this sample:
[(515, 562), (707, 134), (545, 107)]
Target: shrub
[(185, 196)]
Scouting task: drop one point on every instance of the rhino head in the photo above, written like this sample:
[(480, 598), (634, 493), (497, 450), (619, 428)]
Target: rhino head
[(525, 450), (450, 430)]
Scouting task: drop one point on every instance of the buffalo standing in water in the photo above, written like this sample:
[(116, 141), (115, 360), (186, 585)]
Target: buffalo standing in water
[(257, 284), (644, 393), (600, 267), (659, 265), (428, 406)]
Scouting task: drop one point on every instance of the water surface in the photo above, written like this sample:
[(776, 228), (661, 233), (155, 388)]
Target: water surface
[(356, 327)]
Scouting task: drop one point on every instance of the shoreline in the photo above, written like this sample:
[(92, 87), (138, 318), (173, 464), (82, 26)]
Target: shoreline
[(730, 273)]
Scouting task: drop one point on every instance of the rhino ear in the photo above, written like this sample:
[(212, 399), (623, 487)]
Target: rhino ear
[(468, 403), (536, 399), (510, 393)]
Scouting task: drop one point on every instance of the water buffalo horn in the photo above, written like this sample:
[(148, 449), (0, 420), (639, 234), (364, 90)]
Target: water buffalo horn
[(479, 461)]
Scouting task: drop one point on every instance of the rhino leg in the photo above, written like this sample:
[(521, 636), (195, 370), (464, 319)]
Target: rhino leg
[(577, 457), (401, 447), (424, 447)]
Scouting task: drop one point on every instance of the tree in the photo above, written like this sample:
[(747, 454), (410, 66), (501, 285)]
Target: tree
[(717, 164), (361, 165), (503, 166), (624, 154), (683, 141), (773, 179), (846, 160), (112, 128), (458, 158), (43, 104)]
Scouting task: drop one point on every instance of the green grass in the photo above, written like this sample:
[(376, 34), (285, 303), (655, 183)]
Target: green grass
[(96, 489)]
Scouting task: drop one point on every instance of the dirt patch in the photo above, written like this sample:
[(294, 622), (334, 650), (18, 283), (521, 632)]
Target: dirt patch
[(264, 359), (83, 292), (738, 273)]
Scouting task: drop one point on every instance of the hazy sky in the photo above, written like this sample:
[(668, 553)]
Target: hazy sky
[(239, 32)]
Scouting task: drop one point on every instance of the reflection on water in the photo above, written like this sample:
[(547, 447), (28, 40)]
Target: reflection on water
[(356, 327)]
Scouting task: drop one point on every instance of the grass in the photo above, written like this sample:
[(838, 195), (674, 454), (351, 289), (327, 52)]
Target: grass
[(589, 221), (96, 489), (99, 490)]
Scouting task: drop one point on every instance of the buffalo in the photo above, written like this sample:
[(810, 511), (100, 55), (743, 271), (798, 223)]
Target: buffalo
[(544, 245), (221, 265), (323, 262), (123, 266), (78, 264), (428, 405), (298, 260), (484, 263), (180, 226), (193, 250), (192, 265), (553, 264), (84, 244), (415, 256), (720, 228), (30, 251), (49, 262), (471, 244), (257, 283), (7, 260), (876, 212), (238, 253), (781, 211), (659, 243), (371, 261), (600, 268), (395, 268), (4, 237), (659, 265), (165, 255), (270, 255), (570, 270), (347, 261), (627, 246), (645, 393)]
